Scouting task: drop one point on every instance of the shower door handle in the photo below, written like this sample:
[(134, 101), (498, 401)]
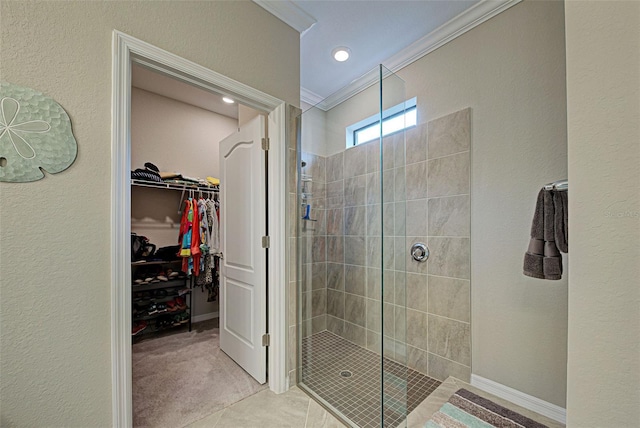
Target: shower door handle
[(420, 252)]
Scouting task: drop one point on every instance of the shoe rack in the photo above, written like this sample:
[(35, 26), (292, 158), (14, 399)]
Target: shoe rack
[(161, 297)]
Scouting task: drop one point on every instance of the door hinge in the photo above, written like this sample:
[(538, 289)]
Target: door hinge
[(266, 242), (265, 143), (266, 338)]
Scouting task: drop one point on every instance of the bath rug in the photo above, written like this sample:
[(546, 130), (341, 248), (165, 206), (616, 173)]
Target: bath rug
[(468, 410)]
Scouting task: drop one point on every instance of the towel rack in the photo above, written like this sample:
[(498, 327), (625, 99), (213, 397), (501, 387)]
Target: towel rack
[(558, 185)]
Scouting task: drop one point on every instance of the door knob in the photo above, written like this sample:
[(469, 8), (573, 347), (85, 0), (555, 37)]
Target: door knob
[(420, 252)]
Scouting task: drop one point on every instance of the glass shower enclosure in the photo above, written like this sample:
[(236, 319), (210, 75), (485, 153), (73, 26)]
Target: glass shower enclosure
[(353, 255)]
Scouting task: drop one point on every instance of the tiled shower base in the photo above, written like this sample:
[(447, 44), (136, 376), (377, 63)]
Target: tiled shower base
[(327, 358)]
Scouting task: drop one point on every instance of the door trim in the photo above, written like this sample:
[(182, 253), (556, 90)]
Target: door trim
[(126, 50)]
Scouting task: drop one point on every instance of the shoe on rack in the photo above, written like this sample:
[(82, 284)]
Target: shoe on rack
[(184, 317), (172, 274), (162, 277), (138, 327), (171, 306), (161, 307), (152, 309), (180, 303)]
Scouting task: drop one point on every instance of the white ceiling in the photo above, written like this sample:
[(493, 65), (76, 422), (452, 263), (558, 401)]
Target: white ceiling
[(373, 30), (389, 32), (393, 33), (150, 81)]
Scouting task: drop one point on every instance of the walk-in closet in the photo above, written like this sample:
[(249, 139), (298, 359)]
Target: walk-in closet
[(179, 372)]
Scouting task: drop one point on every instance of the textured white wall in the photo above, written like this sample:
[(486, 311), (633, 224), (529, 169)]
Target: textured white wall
[(55, 280), (603, 97)]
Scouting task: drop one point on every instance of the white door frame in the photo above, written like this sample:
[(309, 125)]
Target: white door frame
[(126, 50)]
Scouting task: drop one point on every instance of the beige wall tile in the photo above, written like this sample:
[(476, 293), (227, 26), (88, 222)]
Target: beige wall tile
[(355, 309), (416, 180), (441, 368), (448, 175), (416, 217), (399, 185), (450, 298), (318, 249), (373, 188), (374, 282), (417, 329), (374, 321), (335, 249), (355, 250), (373, 156), (319, 302), (417, 359), (450, 339), (450, 216), (335, 221), (354, 220), (335, 276), (318, 276), (388, 153), (449, 257), (335, 194), (399, 149), (355, 190), (355, 161), (335, 167), (416, 144), (374, 225), (388, 319), (335, 303), (417, 292), (335, 325), (450, 134), (355, 334), (374, 251), (355, 279)]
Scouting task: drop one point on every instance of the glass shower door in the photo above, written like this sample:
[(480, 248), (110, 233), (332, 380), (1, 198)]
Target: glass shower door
[(352, 353)]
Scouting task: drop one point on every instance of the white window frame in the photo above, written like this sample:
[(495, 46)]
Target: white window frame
[(386, 114)]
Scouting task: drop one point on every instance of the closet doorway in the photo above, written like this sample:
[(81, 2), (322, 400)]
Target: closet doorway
[(130, 53)]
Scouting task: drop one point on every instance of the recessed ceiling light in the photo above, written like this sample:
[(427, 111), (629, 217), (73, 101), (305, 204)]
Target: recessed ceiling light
[(341, 53), (227, 100)]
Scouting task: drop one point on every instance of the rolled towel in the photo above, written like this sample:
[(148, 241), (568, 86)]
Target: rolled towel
[(542, 259)]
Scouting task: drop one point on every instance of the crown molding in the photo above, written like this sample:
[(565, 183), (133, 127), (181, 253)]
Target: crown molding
[(469, 19), (289, 13), (309, 97)]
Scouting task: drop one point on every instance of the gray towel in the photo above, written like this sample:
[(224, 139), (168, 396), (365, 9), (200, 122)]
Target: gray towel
[(560, 204), (542, 259)]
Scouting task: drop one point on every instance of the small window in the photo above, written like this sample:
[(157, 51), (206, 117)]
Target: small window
[(395, 119)]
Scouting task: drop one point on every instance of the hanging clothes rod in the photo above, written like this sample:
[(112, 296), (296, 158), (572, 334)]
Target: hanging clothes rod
[(175, 186), (559, 185)]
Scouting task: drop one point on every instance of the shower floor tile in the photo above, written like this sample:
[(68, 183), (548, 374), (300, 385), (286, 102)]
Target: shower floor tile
[(348, 377)]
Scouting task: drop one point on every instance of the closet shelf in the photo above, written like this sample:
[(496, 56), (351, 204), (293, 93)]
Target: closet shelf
[(155, 262), (174, 283), (159, 314), (173, 186)]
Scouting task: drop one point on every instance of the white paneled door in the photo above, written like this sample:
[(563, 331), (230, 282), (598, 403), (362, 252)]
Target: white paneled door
[(243, 266)]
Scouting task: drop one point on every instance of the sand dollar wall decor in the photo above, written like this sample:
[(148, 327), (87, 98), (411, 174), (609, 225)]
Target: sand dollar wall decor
[(35, 135)]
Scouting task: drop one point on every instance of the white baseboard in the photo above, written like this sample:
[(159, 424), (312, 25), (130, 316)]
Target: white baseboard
[(527, 401), (205, 317)]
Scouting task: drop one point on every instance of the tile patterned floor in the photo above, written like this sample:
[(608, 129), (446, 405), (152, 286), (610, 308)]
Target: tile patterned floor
[(325, 356)]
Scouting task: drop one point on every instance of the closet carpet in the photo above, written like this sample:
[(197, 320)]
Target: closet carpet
[(183, 377)]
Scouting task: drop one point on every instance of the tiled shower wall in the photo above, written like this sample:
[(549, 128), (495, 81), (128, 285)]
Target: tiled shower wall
[(426, 179)]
